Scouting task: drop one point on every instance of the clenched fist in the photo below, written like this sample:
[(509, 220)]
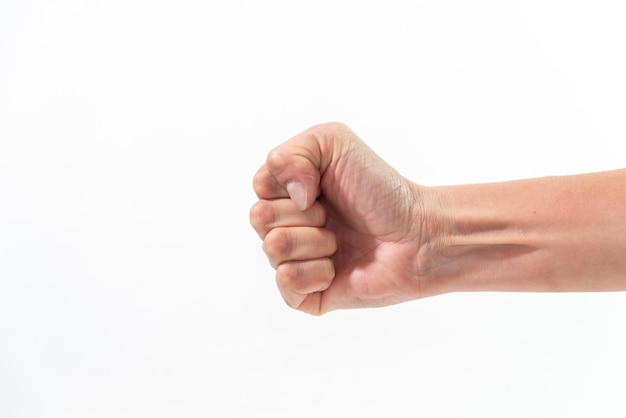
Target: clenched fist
[(345, 230), (340, 226)]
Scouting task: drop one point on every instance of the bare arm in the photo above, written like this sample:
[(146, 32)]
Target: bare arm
[(547, 234), (344, 230)]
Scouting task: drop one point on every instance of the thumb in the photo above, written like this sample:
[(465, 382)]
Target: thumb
[(298, 164), (298, 194)]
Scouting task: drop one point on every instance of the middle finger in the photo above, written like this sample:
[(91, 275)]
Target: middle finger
[(266, 215), (298, 244)]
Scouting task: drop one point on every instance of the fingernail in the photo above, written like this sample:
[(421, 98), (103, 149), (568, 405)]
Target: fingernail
[(297, 193)]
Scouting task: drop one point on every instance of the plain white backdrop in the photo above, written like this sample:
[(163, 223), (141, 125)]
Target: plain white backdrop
[(131, 284)]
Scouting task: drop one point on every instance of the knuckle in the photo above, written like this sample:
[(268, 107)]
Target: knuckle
[(261, 216), (278, 243), (336, 130), (287, 275), (264, 185), (259, 180), (257, 184), (276, 158), (305, 277), (336, 126)]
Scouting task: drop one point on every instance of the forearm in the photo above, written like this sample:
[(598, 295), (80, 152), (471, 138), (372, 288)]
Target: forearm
[(547, 234)]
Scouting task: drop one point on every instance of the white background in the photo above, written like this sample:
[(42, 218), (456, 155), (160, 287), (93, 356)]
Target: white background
[(131, 284)]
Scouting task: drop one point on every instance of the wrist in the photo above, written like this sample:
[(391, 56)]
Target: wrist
[(478, 240), (433, 228)]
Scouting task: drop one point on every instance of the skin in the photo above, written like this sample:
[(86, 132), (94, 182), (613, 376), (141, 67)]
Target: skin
[(344, 230)]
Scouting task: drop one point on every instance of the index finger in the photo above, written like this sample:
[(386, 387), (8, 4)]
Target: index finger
[(265, 185), (296, 166)]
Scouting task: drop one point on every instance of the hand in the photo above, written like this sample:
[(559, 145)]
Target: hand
[(340, 226)]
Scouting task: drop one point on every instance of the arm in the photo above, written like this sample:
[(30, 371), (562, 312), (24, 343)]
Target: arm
[(547, 234), (345, 230)]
